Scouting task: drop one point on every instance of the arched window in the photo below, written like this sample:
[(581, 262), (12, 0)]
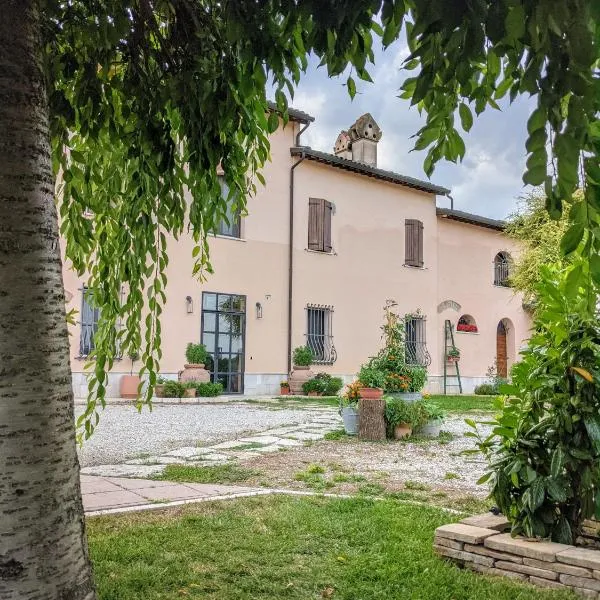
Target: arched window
[(467, 324), (502, 263)]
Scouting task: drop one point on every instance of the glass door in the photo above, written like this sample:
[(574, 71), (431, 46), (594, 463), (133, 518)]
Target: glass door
[(223, 332)]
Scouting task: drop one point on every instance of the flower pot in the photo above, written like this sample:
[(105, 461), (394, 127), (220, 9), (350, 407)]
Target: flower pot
[(189, 393), (402, 430), (298, 377), (314, 394), (128, 386), (159, 390), (350, 418), (431, 429), (368, 393), (284, 390), (407, 396), (453, 359), (194, 372)]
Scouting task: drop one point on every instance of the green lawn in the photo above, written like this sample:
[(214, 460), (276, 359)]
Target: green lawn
[(280, 547), (462, 404), (222, 474)]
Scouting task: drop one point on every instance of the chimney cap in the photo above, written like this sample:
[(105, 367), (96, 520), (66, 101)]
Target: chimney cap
[(365, 127)]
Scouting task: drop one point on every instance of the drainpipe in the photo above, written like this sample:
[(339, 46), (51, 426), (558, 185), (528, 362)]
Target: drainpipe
[(291, 258), (451, 202)]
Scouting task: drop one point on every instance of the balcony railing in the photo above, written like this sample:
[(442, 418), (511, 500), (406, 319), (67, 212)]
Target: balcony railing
[(416, 353), (322, 348)]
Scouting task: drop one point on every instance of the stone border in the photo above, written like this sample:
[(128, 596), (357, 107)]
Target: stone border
[(480, 543)]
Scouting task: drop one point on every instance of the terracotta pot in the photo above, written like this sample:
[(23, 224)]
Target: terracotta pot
[(368, 393), (297, 377), (284, 390), (159, 390), (128, 386), (193, 372), (402, 430), (189, 393), (453, 359)]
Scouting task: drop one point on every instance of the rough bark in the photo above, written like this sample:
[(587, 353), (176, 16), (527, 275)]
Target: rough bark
[(43, 549), (371, 420)]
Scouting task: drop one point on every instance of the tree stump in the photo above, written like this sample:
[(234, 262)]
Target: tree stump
[(371, 420)]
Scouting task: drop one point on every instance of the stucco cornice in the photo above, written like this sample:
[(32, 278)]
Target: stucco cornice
[(362, 169)]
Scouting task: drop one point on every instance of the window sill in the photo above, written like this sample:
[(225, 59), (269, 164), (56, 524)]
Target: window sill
[(415, 267), (229, 237), (332, 253), (467, 332), (502, 287)]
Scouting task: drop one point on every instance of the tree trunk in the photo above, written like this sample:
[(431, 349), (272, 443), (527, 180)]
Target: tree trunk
[(43, 549), (371, 421)]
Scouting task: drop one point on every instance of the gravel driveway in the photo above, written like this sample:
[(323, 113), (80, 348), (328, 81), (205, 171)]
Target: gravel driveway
[(123, 433)]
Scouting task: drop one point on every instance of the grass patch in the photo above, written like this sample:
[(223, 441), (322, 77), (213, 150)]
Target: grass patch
[(224, 474), (371, 489), (328, 400), (347, 478), (285, 548), (416, 486), (248, 446), (336, 435), (450, 475), (463, 404)]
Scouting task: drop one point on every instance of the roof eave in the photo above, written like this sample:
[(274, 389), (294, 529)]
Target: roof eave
[(470, 219)]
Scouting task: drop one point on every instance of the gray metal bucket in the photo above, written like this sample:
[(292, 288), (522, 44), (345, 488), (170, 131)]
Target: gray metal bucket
[(350, 418)]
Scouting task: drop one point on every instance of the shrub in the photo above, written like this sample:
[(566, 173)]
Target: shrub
[(371, 377), (399, 411), (311, 386), (303, 356), (196, 354), (485, 389), (432, 411), (324, 384), (417, 376), (205, 389), (173, 389)]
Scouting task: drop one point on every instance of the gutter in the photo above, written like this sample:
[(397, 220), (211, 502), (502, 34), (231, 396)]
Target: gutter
[(291, 252)]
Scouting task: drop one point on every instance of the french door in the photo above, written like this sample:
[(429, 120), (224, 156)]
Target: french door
[(223, 334)]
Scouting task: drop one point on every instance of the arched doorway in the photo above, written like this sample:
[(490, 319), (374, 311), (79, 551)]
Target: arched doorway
[(505, 342)]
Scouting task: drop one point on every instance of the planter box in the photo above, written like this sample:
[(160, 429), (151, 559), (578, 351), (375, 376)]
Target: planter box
[(480, 544)]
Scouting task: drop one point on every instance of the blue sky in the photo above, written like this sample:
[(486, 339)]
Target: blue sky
[(487, 182)]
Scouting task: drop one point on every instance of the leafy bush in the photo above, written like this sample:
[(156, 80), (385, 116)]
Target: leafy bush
[(205, 389), (417, 376), (324, 384), (485, 389), (173, 389), (371, 377), (303, 356), (545, 444), (312, 385), (432, 411), (398, 411), (196, 354)]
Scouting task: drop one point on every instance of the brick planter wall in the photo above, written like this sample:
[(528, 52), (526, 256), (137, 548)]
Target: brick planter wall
[(479, 543)]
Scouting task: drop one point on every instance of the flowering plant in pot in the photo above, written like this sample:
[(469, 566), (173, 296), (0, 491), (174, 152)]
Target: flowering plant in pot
[(432, 417), (372, 381), (284, 388), (129, 384), (196, 356), (302, 359), (401, 417), (349, 407), (453, 355)]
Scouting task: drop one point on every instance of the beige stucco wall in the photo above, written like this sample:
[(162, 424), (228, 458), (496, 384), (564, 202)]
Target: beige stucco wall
[(365, 269)]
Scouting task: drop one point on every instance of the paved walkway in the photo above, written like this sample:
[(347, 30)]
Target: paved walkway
[(322, 420), (103, 495)]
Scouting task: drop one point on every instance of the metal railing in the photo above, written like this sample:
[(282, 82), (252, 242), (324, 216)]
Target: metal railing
[(501, 271), (322, 348), (416, 353), (86, 338)]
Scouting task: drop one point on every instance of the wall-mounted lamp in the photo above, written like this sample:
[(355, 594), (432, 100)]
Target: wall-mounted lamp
[(258, 310), (189, 305)]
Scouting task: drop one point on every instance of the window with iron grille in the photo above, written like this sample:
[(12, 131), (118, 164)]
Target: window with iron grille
[(415, 342), (319, 333), (230, 224), (89, 323), (413, 243), (502, 269), (319, 225)]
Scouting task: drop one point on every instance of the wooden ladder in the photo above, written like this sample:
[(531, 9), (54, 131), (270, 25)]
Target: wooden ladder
[(449, 344)]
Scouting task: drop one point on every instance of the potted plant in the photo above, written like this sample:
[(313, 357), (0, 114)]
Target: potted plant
[(129, 384), (284, 388), (349, 408), (312, 387), (196, 356), (432, 419), (372, 381), (453, 355), (400, 417), (159, 388), (302, 359)]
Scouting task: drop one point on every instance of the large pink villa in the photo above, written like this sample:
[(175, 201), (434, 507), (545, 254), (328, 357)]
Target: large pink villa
[(327, 241)]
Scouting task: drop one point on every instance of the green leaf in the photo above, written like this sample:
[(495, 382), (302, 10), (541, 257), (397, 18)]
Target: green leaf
[(572, 238), (537, 494), (592, 426), (515, 22), (536, 121), (466, 117), (556, 490), (351, 87), (535, 176), (557, 463), (595, 268), (273, 122)]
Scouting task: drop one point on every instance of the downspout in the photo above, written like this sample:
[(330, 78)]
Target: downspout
[(291, 258)]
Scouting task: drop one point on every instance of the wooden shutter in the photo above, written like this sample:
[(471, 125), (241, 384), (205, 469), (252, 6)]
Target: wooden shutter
[(315, 224), (327, 212), (413, 243)]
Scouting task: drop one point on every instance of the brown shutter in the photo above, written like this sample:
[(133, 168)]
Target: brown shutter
[(413, 243), (315, 224), (327, 212)]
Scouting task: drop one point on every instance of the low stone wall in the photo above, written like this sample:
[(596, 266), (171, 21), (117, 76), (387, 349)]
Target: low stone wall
[(481, 544)]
